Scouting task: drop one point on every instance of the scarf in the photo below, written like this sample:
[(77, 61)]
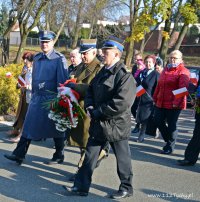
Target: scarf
[(173, 65)]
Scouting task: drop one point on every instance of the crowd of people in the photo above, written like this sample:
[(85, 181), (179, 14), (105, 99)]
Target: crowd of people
[(107, 93)]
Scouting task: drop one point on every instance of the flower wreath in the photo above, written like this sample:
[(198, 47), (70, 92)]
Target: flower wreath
[(64, 109)]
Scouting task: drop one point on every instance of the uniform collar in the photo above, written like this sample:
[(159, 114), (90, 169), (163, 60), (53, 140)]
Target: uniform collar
[(115, 68), (49, 54)]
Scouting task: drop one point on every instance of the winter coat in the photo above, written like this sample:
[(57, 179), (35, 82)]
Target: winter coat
[(171, 79), (48, 72), (79, 136), (22, 105), (111, 93), (145, 105)]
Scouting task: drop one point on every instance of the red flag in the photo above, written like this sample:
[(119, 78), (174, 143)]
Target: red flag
[(181, 92), (21, 81), (140, 91)]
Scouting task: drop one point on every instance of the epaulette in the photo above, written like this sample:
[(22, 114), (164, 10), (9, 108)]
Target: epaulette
[(63, 58), (37, 55), (58, 53)]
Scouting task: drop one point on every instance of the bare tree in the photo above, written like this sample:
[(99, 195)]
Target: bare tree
[(134, 12), (28, 18), (77, 24), (13, 16)]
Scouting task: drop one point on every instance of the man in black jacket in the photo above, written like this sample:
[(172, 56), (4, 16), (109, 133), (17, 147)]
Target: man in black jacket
[(108, 102), (193, 148)]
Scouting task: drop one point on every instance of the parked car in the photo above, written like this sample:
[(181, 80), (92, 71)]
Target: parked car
[(192, 87)]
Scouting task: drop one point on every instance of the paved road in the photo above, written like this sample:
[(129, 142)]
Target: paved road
[(156, 177)]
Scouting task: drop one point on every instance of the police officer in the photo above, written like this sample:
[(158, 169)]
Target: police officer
[(108, 102), (49, 70)]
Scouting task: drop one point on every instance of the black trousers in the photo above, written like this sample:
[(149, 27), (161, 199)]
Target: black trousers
[(193, 149), (122, 153), (134, 107), (24, 143), (166, 120)]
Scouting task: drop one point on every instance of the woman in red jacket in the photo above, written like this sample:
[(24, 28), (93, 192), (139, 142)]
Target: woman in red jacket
[(168, 107)]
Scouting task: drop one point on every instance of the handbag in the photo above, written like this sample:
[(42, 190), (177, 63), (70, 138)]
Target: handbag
[(151, 125)]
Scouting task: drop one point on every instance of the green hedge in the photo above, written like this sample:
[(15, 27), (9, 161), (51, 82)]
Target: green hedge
[(9, 95)]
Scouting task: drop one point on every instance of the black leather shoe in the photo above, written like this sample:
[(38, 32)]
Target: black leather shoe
[(185, 162), (166, 146), (14, 158), (75, 191), (121, 194), (55, 161), (167, 151)]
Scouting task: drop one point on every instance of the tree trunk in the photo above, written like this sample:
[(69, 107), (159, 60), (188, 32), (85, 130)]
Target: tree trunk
[(142, 45), (77, 26), (181, 36), (183, 32), (130, 49), (6, 39), (177, 17), (129, 54), (5, 51), (21, 48), (62, 24), (92, 27), (165, 41)]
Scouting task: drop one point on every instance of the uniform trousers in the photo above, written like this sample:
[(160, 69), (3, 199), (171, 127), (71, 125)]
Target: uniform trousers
[(166, 120), (23, 145), (193, 149), (122, 153)]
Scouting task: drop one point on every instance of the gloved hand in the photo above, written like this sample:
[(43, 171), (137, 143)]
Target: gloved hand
[(71, 85), (95, 114)]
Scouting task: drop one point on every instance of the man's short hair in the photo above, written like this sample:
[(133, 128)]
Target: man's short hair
[(76, 51)]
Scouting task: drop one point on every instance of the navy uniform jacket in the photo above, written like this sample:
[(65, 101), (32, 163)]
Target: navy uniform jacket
[(48, 72)]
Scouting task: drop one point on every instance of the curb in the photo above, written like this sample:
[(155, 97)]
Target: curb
[(4, 126)]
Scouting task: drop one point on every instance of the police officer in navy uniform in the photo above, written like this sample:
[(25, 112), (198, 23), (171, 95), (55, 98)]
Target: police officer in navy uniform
[(49, 70), (108, 102)]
